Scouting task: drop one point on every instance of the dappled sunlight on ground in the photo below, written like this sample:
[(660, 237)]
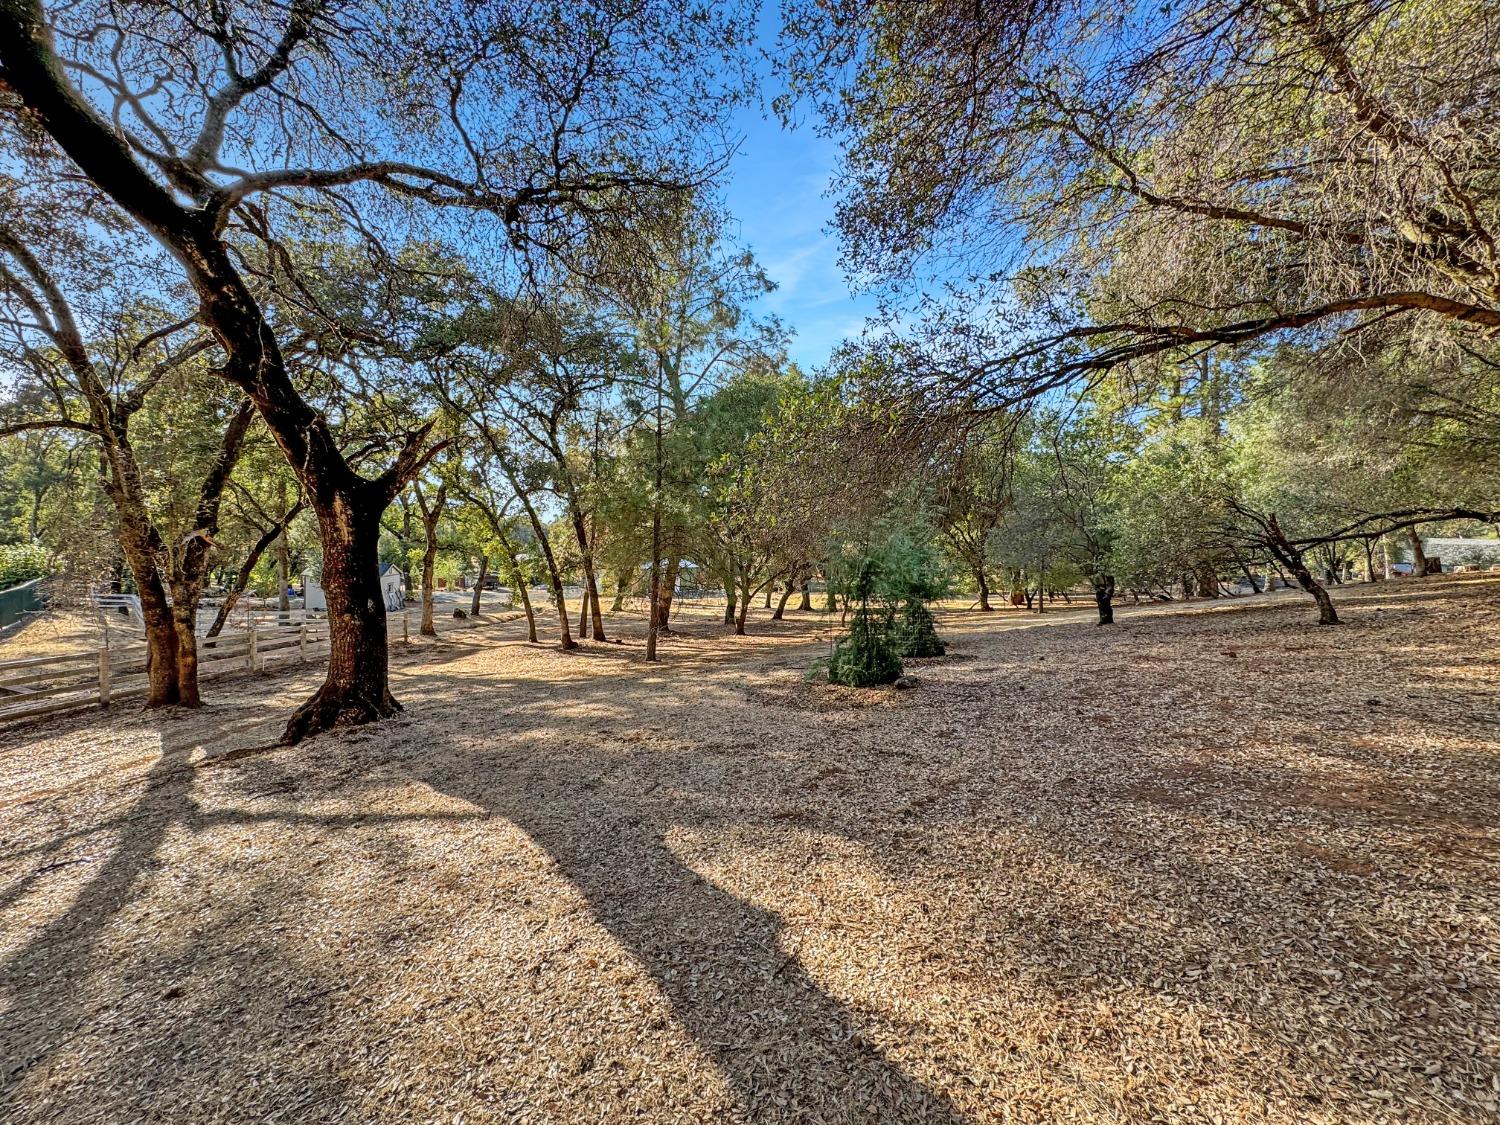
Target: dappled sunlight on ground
[(1215, 863)]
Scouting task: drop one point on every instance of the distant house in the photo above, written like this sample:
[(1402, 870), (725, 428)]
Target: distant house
[(1455, 551), (392, 585)]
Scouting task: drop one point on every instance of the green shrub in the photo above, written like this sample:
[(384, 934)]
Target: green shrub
[(21, 562), (867, 656), (915, 632)]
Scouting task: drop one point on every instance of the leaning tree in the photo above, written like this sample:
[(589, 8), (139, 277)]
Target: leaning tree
[(224, 127), (1124, 184)]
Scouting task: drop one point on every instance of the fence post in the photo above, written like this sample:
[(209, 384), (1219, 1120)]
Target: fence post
[(302, 643), (253, 652), (104, 676), (406, 626)]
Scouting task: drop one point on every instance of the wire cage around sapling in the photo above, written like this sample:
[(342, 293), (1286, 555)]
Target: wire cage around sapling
[(867, 655)]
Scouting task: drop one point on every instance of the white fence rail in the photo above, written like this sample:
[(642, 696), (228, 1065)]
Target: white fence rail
[(41, 685)]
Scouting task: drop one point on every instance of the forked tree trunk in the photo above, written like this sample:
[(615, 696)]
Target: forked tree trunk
[(667, 589), (622, 584), (984, 591), (1104, 597), (348, 506)]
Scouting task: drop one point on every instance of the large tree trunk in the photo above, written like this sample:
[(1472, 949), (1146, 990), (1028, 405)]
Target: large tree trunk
[(786, 595), (984, 590), (356, 688), (667, 589), (348, 506), (1207, 579), (162, 647), (1104, 597), (1418, 555), (185, 620), (805, 605)]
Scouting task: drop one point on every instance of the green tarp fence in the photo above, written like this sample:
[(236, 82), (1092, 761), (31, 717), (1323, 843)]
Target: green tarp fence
[(19, 601)]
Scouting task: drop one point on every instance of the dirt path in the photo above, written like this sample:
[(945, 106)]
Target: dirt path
[(1205, 866)]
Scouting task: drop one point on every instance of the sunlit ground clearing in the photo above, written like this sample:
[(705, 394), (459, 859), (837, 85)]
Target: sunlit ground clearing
[(1210, 864)]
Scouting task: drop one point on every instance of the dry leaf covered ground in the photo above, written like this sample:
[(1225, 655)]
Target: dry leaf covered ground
[(1215, 865)]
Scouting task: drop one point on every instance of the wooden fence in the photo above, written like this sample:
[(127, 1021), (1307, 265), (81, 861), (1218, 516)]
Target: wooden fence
[(41, 685)]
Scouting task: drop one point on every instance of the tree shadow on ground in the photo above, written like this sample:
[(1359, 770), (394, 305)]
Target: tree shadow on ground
[(789, 1051)]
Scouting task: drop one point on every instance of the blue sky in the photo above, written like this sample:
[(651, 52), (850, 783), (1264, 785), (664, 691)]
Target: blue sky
[(777, 193)]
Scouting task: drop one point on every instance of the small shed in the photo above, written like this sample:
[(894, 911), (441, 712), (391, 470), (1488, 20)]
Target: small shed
[(392, 587)]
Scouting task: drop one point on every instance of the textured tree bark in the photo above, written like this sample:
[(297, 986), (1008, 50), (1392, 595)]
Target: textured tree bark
[(805, 605), (283, 577), (1291, 558), (432, 512), (1207, 580), (356, 688), (984, 591)]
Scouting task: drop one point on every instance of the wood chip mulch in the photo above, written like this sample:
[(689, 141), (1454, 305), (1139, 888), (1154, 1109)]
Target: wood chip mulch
[(1213, 865)]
